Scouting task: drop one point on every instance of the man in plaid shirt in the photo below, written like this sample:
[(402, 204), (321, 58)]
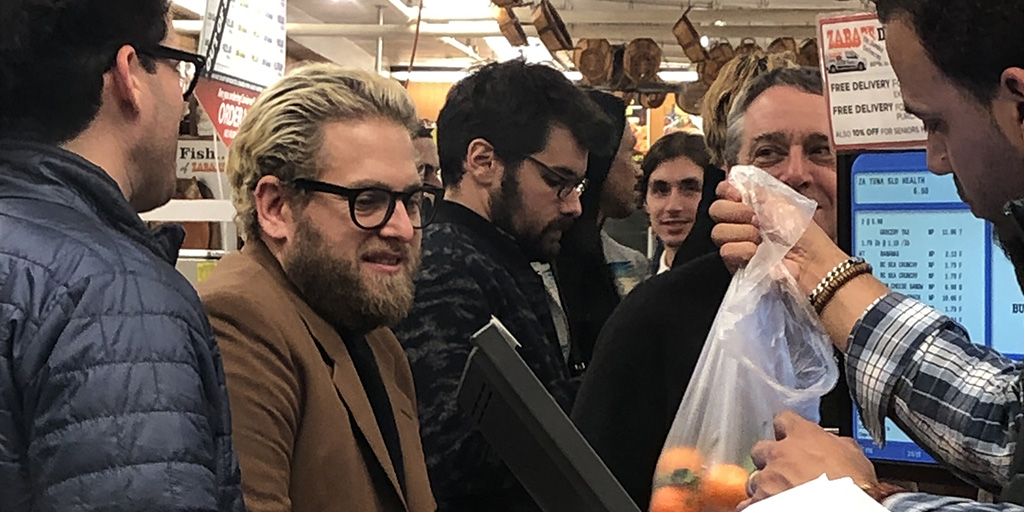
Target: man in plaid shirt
[(961, 69)]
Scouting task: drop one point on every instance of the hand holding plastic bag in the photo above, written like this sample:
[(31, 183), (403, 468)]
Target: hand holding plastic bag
[(766, 353)]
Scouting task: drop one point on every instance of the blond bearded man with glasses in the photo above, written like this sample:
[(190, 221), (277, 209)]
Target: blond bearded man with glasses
[(324, 178)]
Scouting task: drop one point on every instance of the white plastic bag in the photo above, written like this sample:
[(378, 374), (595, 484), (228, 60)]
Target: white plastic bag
[(766, 353)]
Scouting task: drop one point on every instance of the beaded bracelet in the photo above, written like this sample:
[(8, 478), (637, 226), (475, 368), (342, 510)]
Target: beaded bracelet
[(835, 279)]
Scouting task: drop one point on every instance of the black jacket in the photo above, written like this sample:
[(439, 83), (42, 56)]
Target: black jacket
[(642, 365), (471, 271)]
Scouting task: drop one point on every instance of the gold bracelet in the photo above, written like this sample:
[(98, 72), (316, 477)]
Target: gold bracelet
[(837, 281)]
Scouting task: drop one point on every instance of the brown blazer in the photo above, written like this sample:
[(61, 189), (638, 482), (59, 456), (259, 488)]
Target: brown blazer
[(305, 434)]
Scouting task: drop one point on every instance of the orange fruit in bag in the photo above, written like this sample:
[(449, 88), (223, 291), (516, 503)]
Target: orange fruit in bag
[(675, 498), (679, 457), (723, 487)]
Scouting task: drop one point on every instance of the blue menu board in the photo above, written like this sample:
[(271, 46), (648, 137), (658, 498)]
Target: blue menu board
[(924, 242)]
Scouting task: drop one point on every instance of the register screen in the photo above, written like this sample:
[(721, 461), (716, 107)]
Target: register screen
[(923, 242)]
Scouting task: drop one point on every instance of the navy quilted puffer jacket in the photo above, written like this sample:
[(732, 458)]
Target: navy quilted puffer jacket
[(112, 393)]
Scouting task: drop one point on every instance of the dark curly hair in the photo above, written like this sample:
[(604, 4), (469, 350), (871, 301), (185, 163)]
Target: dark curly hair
[(512, 105), (972, 42), (53, 54)]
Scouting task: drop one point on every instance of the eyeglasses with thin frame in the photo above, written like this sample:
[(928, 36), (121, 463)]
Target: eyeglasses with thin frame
[(371, 208), (566, 184), (190, 65)]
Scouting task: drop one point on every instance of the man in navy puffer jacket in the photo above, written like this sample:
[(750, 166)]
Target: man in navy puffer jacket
[(112, 393)]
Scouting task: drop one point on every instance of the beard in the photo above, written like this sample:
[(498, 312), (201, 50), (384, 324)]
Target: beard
[(336, 289), (507, 205)]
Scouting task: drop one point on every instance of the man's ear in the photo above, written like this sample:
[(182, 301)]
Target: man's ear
[(274, 212), (1012, 89), (124, 81), (482, 164)]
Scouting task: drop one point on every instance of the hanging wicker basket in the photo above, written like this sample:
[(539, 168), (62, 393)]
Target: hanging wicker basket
[(593, 59), (550, 29), (689, 39), (782, 45), (511, 28), (808, 53), (642, 60), (747, 46)]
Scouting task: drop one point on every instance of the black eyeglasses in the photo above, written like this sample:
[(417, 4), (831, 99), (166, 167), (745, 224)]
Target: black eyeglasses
[(371, 208), (565, 184), (190, 65)]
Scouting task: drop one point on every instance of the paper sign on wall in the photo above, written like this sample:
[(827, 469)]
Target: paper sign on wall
[(864, 99), (226, 104), (252, 47)]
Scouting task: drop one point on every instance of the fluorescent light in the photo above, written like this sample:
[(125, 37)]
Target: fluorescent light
[(534, 52), (409, 12), (449, 10), (196, 6), (678, 76), (454, 43)]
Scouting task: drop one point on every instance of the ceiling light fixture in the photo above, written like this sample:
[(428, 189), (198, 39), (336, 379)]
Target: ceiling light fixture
[(196, 6)]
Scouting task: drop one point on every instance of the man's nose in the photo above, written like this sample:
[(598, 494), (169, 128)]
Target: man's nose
[(571, 205), (399, 225), (676, 201), (937, 158), (797, 170)]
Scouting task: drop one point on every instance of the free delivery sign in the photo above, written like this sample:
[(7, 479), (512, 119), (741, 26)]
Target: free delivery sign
[(864, 100)]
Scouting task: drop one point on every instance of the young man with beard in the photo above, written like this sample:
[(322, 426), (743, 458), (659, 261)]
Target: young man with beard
[(650, 346), (514, 140), (324, 178), (111, 387), (961, 70)]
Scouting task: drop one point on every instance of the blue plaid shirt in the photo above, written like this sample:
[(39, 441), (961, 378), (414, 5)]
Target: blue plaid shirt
[(961, 402)]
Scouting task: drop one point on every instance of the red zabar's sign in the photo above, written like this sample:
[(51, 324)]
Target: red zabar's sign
[(226, 105), (849, 38)]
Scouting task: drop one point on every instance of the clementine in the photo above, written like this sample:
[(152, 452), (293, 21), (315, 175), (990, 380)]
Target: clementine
[(724, 486), (674, 498), (679, 457)]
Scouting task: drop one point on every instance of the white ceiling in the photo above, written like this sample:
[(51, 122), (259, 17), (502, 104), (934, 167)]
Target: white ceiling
[(353, 24)]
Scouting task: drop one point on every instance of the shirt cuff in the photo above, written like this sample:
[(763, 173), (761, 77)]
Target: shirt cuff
[(883, 343)]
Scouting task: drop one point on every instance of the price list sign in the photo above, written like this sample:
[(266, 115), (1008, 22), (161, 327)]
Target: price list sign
[(925, 243)]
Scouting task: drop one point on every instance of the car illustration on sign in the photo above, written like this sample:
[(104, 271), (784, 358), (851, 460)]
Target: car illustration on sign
[(848, 60)]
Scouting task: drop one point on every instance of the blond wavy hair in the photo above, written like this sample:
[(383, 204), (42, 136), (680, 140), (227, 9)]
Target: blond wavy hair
[(282, 133), (732, 80)]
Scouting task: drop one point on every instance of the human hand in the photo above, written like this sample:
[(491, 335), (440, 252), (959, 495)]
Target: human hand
[(802, 452), (737, 234)]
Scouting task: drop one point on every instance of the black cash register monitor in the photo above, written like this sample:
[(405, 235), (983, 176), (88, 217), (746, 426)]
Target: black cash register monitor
[(923, 242), (531, 433)]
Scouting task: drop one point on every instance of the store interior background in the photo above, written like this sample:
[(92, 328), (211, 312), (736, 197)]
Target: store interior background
[(458, 35)]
